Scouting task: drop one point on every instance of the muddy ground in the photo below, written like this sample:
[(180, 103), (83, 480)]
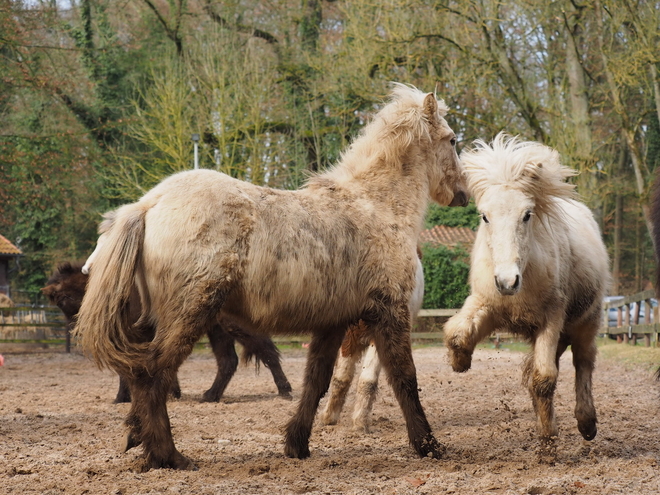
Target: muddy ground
[(60, 433)]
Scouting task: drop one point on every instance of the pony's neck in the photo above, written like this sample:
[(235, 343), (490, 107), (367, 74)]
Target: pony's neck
[(397, 184)]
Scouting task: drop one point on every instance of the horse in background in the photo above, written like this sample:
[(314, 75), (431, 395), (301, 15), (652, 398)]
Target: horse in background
[(66, 288), (202, 246), (539, 268), (356, 345)]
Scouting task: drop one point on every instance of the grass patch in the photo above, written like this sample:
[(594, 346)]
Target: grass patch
[(638, 355)]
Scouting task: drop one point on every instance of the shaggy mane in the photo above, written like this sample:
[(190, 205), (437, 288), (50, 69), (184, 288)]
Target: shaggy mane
[(398, 124), (527, 166)]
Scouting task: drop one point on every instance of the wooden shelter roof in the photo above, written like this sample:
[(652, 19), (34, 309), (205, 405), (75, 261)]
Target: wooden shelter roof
[(448, 236), (7, 248)]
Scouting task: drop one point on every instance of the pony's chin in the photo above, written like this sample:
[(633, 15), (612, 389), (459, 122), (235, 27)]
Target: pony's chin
[(508, 292)]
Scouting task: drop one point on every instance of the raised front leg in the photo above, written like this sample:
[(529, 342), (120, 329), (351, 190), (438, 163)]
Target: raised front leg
[(222, 344), (341, 383), (318, 372), (367, 387), (465, 330), (392, 339)]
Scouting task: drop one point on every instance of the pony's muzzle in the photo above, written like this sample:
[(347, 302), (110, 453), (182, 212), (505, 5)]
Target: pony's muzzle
[(460, 199), (508, 286)]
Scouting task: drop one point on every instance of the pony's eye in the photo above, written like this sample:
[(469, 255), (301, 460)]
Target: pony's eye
[(453, 141), (528, 215), (484, 218)]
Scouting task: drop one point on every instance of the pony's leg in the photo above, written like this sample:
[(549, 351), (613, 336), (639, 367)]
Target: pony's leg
[(321, 357), (263, 349), (465, 330), (341, 382), (584, 350), (367, 387), (124, 393), (394, 349), (541, 376), (175, 391), (173, 343), (224, 350)]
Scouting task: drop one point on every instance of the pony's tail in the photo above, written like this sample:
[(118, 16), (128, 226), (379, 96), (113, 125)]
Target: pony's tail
[(105, 329)]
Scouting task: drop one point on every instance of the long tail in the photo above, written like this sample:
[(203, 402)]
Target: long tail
[(105, 328)]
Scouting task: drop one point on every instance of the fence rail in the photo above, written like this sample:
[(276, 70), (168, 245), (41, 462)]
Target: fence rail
[(628, 326)]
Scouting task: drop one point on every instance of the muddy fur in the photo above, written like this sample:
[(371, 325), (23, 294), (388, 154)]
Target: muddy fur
[(202, 246), (66, 288), (538, 269)]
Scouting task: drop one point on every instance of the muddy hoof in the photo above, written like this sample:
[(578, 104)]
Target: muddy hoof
[(588, 429), (296, 449), (286, 395), (209, 396), (175, 461), (130, 440), (459, 358), (430, 447)]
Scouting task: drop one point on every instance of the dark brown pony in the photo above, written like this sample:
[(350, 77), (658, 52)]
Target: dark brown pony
[(66, 288)]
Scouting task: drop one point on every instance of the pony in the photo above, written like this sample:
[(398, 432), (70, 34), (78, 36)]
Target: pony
[(66, 288), (202, 246), (539, 268), (354, 347)]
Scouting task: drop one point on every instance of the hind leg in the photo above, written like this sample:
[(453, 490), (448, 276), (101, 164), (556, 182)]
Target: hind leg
[(392, 339), (124, 393), (341, 382), (367, 387), (584, 359), (318, 372), (264, 350), (224, 351)]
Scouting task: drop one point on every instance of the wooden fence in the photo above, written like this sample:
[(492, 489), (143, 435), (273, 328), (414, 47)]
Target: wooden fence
[(629, 325), (34, 325), (45, 325)]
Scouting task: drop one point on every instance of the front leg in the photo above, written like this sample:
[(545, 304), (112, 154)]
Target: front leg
[(392, 339), (465, 330)]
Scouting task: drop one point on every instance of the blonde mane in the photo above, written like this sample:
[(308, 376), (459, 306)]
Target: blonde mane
[(527, 166), (399, 123)]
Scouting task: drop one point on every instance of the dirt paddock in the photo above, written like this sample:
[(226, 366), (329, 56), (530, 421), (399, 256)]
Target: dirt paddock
[(60, 433)]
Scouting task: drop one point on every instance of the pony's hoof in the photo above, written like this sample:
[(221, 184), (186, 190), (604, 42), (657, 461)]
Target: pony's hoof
[(130, 441), (286, 395), (209, 396), (430, 447), (297, 452), (459, 358), (588, 429), (175, 393), (175, 461)]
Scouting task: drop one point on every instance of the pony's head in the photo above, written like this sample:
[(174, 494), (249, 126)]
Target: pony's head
[(417, 117), (516, 186), (410, 135)]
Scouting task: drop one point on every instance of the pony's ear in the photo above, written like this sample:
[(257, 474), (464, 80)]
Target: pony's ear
[(533, 170), (431, 108)]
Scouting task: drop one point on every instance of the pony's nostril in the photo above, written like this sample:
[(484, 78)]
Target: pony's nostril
[(516, 283), (459, 199)]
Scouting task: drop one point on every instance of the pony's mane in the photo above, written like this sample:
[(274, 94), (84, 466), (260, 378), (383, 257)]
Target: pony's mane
[(528, 166), (398, 124)]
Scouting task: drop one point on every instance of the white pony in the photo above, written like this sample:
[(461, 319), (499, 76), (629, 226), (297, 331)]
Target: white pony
[(354, 347), (539, 269)]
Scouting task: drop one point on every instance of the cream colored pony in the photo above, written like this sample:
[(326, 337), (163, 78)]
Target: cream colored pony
[(539, 269), (202, 246)]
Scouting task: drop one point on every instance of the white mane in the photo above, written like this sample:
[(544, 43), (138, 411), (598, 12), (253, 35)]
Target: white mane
[(528, 166)]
